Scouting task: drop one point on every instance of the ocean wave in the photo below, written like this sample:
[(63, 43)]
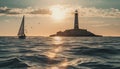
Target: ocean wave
[(94, 51), (26, 51), (70, 53), (13, 63), (40, 59), (96, 65)]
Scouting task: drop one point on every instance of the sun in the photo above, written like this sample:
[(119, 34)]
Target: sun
[(58, 12)]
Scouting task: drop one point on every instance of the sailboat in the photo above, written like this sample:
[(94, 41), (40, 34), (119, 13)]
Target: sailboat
[(21, 33)]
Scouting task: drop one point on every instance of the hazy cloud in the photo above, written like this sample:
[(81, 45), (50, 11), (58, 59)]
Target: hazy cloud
[(95, 12), (41, 11), (83, 11), (15, 11)]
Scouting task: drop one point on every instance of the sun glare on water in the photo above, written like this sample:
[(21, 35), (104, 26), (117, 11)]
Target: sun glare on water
[(58, 12)]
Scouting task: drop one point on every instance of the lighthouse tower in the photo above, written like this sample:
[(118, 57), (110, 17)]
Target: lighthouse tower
[(76, 23)]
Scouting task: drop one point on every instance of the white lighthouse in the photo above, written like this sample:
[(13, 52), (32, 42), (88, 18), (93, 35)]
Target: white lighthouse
[(76, 22)]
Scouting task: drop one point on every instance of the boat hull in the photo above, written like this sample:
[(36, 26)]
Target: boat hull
[(21, 37)]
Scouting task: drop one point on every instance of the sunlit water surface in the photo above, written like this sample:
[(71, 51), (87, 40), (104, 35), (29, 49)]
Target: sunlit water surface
[(60, 53)]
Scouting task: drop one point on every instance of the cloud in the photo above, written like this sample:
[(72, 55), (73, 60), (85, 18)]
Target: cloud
[(83, 11), (16, 11), (41, 11), (98, 12)]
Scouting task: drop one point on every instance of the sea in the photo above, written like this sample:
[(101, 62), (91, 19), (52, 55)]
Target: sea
[(60, 53)]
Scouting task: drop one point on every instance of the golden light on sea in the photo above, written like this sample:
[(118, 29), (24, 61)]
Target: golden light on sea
[(57, 40), (55, 50), (51, 55), (64, 63)]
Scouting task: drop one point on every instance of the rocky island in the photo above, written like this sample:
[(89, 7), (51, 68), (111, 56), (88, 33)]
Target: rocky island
[(76, 32)]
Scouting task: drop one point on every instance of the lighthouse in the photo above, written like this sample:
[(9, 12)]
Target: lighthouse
[(76, 22), (76, 31)]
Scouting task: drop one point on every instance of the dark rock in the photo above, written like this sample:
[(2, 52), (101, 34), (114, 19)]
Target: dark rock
[(76, 33)]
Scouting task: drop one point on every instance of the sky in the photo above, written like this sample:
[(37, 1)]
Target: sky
[(46, 17)]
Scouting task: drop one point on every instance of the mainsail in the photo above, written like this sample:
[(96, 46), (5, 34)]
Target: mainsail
[(21, 30)]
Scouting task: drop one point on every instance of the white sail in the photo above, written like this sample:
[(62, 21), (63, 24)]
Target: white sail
[(21, 30)]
